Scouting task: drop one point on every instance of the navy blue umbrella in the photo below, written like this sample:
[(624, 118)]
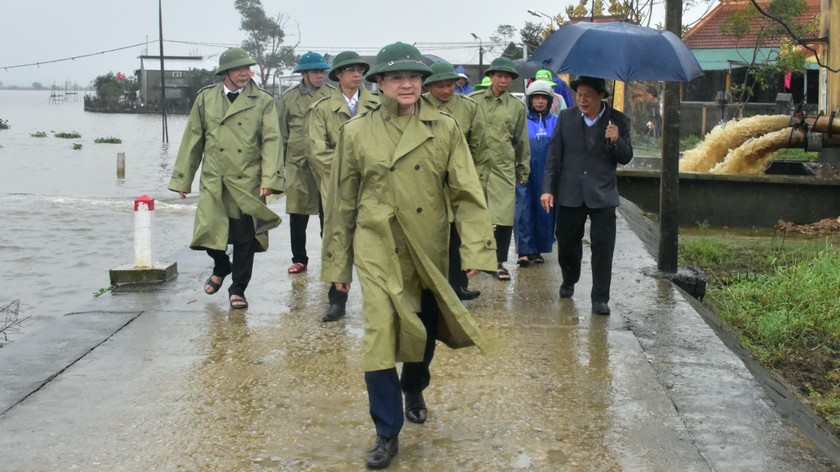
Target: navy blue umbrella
[(617, 51)]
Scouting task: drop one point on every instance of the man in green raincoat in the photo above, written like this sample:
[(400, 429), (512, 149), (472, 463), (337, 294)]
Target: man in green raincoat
[(302, 196), (441, 94), (398, 171), (234, 135), (503, 158), (324, 119)]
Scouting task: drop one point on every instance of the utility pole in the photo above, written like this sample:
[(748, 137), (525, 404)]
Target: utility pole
[(669, 191), (162, 78), (480, 55)]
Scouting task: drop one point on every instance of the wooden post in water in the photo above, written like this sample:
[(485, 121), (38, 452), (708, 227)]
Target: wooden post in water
[(120, 166), (669, 191)]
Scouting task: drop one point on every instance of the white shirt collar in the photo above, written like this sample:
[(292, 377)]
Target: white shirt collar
[(592, 122), (227, 90)]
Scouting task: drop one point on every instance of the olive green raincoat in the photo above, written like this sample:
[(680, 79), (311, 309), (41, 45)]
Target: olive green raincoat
[(464, 110), (323, 122), (503, 157), (387, 214), (238, 147), (302, 194)]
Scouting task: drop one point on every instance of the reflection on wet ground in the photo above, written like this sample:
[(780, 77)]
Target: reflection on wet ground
[(191, 385)]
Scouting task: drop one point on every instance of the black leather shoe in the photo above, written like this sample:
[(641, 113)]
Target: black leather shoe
[(600, 308), (383, 451), (334, 313), (566, 291), (415, 408), (465, 294)]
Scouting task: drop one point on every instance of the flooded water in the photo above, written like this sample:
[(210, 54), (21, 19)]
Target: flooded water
[(728, 136), (66, 218)]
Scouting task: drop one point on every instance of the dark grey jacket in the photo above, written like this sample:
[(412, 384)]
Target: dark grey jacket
[(580, 172)]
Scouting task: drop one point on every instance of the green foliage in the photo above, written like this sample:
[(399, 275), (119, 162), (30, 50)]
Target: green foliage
[(64, 135), (265, 36), (109, 89), (4, 124), (38, 134), (198, 79), (780, 295), (796, 155), (77, 146), (108, 140), (764, 72), (102, 291), (690, 142), (533, 34)]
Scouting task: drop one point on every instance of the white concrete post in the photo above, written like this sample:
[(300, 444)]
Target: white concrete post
[(143, 208)]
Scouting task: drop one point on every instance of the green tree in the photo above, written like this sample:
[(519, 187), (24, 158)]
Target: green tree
[(108, 88), (38, 86), (533, 34), (764, 71), (265, 38), (502, 37), (198, 79)]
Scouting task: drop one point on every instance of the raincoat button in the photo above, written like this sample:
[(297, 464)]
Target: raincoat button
[(387, 117), (393, 168), (417, 167), (329, 254), (397, 250), (419, 210), (239, 123), (221, 149), (239, 150)]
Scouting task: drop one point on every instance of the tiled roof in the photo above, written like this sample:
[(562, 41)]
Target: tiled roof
[(707, 35)]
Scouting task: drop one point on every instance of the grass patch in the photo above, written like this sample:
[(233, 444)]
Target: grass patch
[(796, 155), (38, 134), (64, 135), (779, 292), (108, 140)]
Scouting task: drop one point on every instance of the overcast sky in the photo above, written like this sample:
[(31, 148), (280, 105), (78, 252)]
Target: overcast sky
[(48, 30)]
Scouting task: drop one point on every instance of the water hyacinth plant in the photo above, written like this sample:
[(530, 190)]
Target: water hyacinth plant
[(4, 124), (108, 140), (38, 134), (64, 135)]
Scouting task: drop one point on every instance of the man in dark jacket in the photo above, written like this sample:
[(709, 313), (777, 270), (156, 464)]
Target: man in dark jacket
[(580, 179)]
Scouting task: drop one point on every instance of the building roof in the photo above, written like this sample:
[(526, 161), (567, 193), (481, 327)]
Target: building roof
[(707, 35), (182, 63)]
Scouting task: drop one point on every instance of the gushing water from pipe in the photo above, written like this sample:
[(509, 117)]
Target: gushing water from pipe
[(723, 138)]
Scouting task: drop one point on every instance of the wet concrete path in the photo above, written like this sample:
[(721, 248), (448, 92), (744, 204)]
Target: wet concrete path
[(171, 379)]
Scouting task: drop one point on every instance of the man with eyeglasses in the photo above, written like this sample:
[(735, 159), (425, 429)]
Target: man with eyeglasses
[(233, 134), (302, 196), (442, 95), (324, 120), (503, 159), (396, 170)]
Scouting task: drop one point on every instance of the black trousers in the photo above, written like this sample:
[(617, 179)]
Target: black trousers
[(335, 297), (457, 277), (297, 233), (570, 227), (242, 237), (385, 388), (503, 236)]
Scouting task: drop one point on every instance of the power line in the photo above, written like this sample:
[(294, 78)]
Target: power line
[(429, 46)]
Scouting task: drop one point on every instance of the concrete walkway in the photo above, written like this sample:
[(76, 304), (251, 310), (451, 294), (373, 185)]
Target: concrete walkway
[(168, 378)]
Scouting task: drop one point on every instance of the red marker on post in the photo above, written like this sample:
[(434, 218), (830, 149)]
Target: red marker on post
[(143, 208)]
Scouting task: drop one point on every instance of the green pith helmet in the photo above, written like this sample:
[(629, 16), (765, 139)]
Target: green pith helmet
[(502, 64), (485, 84), (441, 71), (398, 57), (344, 59), (233, 58), (546, 76), (311, 61)]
